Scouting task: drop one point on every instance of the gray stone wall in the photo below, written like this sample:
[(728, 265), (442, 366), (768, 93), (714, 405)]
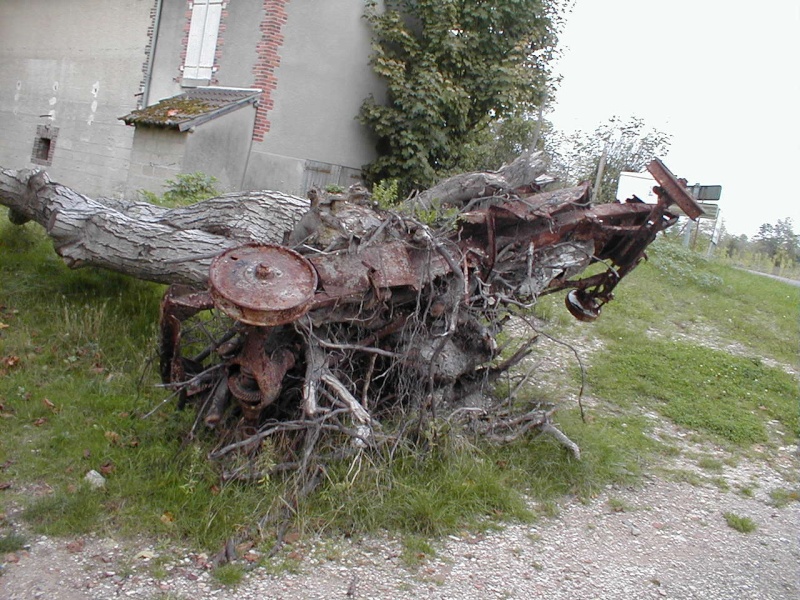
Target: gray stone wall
[(220, 148), (157, 155), (75, 66)]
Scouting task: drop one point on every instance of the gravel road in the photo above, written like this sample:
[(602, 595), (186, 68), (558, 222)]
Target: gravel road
[(663, 539)]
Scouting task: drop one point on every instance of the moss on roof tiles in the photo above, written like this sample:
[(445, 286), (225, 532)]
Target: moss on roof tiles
[(172, 111), (179, 110)]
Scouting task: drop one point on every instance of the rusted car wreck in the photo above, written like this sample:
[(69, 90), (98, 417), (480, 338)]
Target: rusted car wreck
[(334, 320), (362, 313)]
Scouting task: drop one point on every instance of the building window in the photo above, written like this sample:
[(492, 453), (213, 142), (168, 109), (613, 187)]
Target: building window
[(44, 145), (201, 46)]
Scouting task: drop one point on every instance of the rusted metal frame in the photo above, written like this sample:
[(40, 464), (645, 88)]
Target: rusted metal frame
[(259, 365), (674, 190), (178, 304), (584, 304), (596, 227), (580, 284)]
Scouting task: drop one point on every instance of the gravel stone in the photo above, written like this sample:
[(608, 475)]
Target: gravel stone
[(670, 541)]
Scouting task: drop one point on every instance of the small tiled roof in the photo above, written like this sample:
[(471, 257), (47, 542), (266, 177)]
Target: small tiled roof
[(193, 107)]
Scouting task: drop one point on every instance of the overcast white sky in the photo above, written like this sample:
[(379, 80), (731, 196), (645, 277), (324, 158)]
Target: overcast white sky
[(722, 77)]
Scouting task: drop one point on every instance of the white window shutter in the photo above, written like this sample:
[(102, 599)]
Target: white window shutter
[(202, 43)]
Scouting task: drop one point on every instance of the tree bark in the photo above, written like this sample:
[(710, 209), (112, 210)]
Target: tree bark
[(459, 189), (166, 245)]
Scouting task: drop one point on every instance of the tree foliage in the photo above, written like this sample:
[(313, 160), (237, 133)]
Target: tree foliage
[(502, 141), (775, 248), (629, 146), (452, 67), (778, 241)]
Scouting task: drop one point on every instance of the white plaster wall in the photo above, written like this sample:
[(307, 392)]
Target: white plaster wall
[(76, 65)]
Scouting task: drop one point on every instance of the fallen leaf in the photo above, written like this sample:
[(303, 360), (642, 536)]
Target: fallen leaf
[(107, 467), (3, 326), (167, 518), (4, 485), (291, 537), (75, 546), (243, 548), (146, 554), (40, 421), (112, 437), (11, 361)]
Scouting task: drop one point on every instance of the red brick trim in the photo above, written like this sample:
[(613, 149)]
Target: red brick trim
[(148, 50), (220, 42), (268, 60), (185, 42)]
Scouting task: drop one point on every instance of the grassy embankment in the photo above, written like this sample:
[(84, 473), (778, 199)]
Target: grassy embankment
[(698, 343)]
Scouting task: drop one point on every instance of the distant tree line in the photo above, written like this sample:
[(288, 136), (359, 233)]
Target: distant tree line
[(774, 246)]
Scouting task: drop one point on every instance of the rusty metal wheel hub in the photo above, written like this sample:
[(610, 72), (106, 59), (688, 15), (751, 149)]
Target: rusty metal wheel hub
[(262, 284)]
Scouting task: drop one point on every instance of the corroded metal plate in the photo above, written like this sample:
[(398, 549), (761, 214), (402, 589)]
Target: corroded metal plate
[(262, 284)]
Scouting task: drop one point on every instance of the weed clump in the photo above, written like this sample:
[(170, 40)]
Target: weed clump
[(740, 524)]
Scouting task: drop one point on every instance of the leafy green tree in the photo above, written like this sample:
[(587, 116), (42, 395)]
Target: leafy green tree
[(629, 146), (452, 68), (779, 242), (502, 141)]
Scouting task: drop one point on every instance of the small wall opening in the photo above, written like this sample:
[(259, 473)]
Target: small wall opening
[(44, 145)]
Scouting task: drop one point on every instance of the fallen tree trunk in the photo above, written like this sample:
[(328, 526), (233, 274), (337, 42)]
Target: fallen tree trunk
[(460, 189), (166, 245), (177, 245)]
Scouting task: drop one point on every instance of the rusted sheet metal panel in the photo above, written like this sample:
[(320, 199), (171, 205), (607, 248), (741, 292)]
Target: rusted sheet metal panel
[(674, 190), (344, 273)]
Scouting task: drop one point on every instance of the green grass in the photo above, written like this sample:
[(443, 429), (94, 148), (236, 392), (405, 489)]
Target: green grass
[(229, 574), (679, 293), (710, 464), (11, 542), (416, 550), (474, 487), (781, 497), (76, 373), (700, 388), (739, 523)]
